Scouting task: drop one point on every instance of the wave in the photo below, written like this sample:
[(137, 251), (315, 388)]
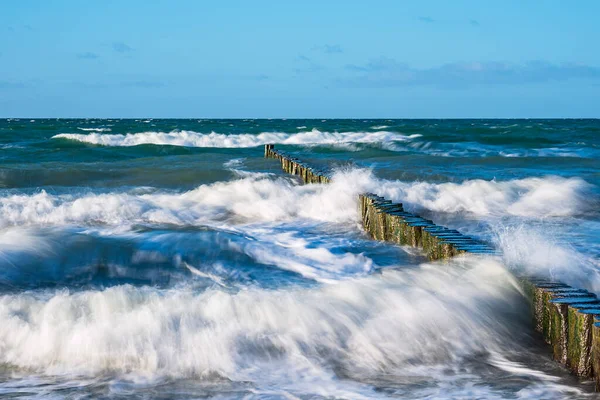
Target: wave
[(302, 341), (213, 139), (273, 215), (391, 141), (475, 149), (11, 146), (233, 163), (276, 213), (543, 251), (261, 198), (95, 129), (255, 198), (551, 196)]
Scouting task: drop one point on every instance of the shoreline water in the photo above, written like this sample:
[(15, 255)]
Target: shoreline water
[(180, 246)]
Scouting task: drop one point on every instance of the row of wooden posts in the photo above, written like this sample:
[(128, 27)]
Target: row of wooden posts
[(567, 318)]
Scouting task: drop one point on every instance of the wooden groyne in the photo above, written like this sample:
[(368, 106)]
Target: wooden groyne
[(293, 166), (567, 318), (388, 221)]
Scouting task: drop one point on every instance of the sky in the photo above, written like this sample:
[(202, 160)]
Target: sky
[(300, 59)]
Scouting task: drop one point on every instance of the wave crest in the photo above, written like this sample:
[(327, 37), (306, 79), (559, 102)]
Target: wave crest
[(530, 197), (213, 139), (364, 325)]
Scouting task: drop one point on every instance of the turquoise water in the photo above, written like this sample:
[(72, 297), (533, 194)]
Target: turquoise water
[(169, 259)]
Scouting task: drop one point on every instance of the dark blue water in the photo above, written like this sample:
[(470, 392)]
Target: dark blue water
[(169, 259)]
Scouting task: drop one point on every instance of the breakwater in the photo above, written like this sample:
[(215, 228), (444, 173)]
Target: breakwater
[(385, 220), (567, 318)]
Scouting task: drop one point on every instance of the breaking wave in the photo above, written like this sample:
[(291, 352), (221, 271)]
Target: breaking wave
[(256, 204), (251, 199), (259, 197), (529, 197), (300, 340), (213, 139)]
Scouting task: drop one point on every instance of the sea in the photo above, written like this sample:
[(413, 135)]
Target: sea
[(168, 259)]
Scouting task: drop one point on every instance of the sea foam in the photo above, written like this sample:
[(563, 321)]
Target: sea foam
[(282, 337), (95, 129), (257, 205), (213, 139)]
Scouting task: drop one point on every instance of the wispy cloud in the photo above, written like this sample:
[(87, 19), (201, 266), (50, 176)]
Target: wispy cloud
[(20, 28), (387, 72), (329, 49), (428, 20), (121, 47), (87, 56), (142, 84), (12, 85), (307, 65)]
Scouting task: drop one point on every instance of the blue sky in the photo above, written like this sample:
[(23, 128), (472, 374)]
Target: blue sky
[(313, 59)]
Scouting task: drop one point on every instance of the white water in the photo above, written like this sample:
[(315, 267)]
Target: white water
[(260, 198), (257, 204), (213, 139), (370, 327), (476, 149), (530, 197), (300, 341), (95, 129), (392, 141)]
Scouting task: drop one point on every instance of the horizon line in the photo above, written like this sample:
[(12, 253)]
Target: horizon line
[(309, 118)]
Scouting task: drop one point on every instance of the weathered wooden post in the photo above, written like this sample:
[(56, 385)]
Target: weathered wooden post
[(268, 149)]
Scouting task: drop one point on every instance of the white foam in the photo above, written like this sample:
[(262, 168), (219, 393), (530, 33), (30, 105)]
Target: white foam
[(292, 250), (258, 204), (95, 129), (255, 206), (10, 146), (251, 199), (532, 197), (213, 139), (16, 239), (233, 163), (259, 198), (399, 324), (539, 251)]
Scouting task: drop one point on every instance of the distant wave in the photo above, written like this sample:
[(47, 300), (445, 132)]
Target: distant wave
[(475, 149), (380, 127), (95, 129), (213, 139)]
